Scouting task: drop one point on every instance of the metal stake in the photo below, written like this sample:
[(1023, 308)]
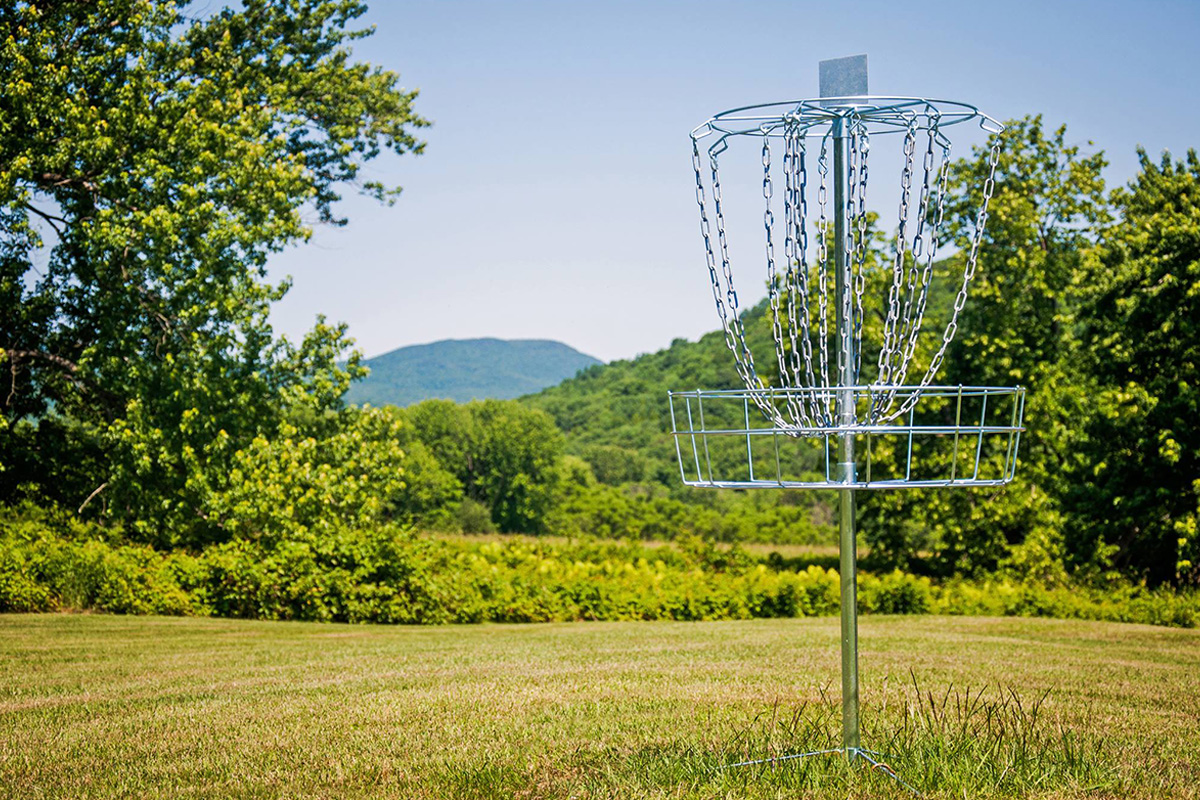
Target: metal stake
[(846, 416)]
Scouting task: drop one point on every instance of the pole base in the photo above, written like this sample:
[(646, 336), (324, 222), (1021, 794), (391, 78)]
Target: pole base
[(873, 760)]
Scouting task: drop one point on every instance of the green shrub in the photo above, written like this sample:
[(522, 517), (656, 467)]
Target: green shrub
[(19, 590), (388, 575), (896, 592), (472, 516)]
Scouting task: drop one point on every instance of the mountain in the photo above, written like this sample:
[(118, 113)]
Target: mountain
[(467, 369)]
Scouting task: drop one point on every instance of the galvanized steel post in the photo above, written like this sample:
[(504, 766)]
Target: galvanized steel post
[(842, 77), (845, 410)]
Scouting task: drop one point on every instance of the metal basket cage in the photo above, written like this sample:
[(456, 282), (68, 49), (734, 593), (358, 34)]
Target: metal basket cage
[(958, 436), (815, 117)]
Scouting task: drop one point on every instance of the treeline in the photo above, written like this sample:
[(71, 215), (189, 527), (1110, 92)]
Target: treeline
[(503, 466), (144, 391), (168, 434), (1087, 297)]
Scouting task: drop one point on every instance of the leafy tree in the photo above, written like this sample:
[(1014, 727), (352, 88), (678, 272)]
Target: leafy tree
[(150, 162), (615, 465), (1137, 488), (299, 487), (1017, 328), (447, 429), (1048, 204), (431, 496), (503, 454), (515, 464)]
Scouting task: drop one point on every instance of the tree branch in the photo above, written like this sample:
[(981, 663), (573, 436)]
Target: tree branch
[(59, 361), (50, 218), (91, 496)]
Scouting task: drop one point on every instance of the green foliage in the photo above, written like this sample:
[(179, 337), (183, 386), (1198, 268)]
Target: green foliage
[(503, 455), (648, 511), (1017, 328), (514, 466), (1048, 205), (310, 487), (471, 516), (615, 465), (390, 576), (623, 404), (431, 497), (1137, 485), (150, 162), (382, 576), (616, 419), (50, 561)]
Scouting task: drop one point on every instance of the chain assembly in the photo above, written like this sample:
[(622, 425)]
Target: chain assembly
[(774, 287), (801, 286)]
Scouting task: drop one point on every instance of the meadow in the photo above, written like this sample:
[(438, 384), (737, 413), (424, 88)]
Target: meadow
[(120, 706)]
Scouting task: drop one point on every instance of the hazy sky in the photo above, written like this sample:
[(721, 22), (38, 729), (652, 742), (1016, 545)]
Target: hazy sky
[(555, 197)]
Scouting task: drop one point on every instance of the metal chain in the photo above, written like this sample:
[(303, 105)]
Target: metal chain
[(989, 186), (823, 272), (710, 257), (891, 340), (802, 237), (927, 272), (910, 285), (731, 299), (860, 277), (910, 321), (773, 288), (795, 245), (800, 286), (846, 297)]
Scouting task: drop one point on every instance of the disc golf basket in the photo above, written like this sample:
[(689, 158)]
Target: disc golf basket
[(805, 416)]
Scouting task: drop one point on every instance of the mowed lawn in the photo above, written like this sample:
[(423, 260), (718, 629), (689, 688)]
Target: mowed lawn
[(105, 706)]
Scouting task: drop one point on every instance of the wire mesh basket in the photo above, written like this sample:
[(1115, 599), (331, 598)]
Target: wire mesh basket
[(950, 436)]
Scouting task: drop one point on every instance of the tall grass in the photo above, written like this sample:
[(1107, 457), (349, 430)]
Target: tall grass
[(990, 742)]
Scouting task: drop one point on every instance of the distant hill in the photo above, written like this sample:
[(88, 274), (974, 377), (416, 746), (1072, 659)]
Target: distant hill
[(467, 369), (621, 409)]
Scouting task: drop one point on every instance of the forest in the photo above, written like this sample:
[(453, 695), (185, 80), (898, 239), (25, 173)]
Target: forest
[(164, 450)]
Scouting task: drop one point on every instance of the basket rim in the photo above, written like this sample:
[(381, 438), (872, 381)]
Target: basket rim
[(872, 388), (881, 113)]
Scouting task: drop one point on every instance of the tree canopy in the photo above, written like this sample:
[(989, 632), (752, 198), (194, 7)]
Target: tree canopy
[(150, 162), (1137, 483)]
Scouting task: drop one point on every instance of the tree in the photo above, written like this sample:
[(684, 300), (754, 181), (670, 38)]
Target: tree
[(1017, 328), (150, 162), (516, 464), (503, 454), (1137, 488), (299, 487)]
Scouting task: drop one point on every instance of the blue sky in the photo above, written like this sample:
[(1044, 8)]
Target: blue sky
[(555, 197)]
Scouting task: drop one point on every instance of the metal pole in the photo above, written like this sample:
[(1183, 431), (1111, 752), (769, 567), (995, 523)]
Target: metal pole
[(846, 472)]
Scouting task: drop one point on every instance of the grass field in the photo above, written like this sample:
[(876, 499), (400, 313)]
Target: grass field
[(101, 706)]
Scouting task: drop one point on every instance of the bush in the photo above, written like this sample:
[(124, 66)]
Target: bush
[(895, 592), (471, 516), (388, 575)]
